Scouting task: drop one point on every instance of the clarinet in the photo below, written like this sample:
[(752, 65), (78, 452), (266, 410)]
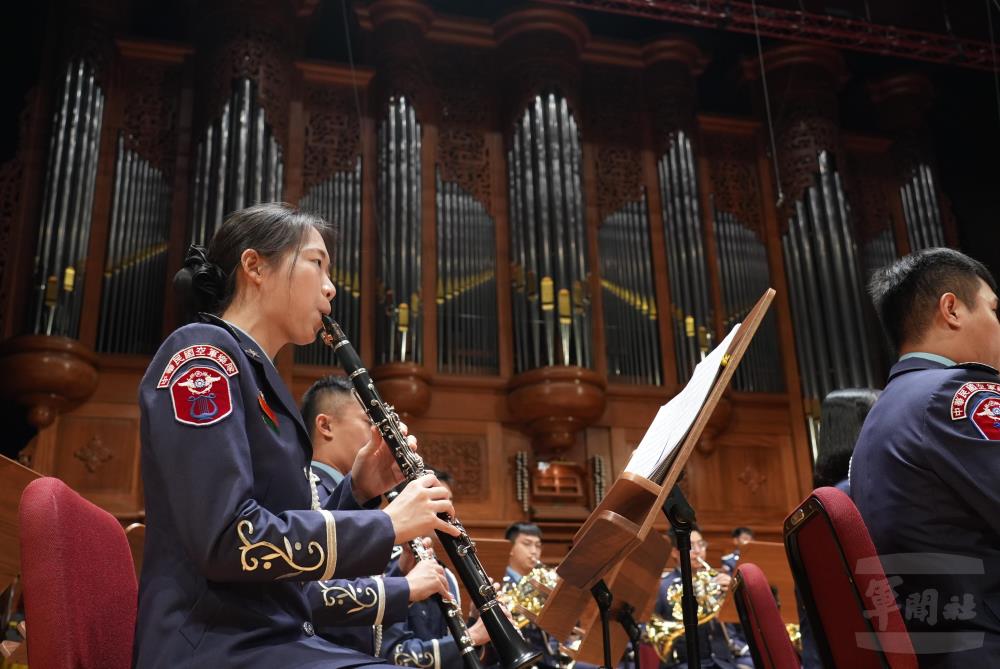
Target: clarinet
[(452, 614), (511, 648)]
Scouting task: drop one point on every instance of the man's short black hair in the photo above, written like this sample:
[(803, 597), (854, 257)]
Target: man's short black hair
[(326, 387), (906, 292), (442, 476), (737, 531), (672, 534), (517, 529)]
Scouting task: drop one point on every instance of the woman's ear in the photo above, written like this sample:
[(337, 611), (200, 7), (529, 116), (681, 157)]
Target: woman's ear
[(252, 263)]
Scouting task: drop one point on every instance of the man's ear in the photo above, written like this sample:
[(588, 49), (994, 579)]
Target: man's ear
[(324, 425), (948, 306)]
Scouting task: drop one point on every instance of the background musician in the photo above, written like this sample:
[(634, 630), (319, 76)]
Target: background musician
[(423, 638), (713, 638), (339, 429)]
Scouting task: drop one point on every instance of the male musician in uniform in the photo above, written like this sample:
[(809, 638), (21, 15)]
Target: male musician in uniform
[(525, 553), (714, 640), (339, 428), (741, 537), (423, 639), (926, 465)]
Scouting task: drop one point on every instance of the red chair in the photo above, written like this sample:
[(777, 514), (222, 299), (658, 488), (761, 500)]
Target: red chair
[(845, 592), (765, 632), (80, 592)]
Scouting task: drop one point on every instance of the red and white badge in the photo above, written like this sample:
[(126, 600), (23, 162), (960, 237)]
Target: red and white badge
[(206, 351), (987, 418), (201, 396)]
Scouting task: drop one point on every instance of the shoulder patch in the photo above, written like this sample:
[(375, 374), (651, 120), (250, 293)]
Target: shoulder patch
[(962, 397), (206, 351), (201, 396), (986, 417)]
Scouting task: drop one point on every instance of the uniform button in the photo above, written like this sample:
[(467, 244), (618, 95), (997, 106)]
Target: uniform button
[(308, 628)]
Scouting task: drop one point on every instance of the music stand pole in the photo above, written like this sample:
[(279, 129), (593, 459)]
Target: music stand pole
[(681, 516), (602, 595), (631, 627)]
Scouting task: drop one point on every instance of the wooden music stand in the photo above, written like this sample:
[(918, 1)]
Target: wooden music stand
[(772, 559), (606, 547)]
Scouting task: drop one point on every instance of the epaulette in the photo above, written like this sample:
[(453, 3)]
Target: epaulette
[(977, 366)]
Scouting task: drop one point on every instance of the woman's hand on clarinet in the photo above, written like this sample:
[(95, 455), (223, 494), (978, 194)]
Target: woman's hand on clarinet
[(414, 511), (375, 470), (426, 579)]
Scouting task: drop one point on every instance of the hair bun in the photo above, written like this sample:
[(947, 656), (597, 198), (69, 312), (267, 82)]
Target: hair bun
[(200, 284)]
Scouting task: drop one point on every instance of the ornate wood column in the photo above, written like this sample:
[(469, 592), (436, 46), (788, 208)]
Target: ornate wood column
[(834, 346), (49, 371), (244, 77), (902, 102), (672, 66), (404, 109), (555, 393)]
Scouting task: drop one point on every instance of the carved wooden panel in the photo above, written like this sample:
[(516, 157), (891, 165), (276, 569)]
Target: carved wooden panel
[(152, 96), (805, 127), (670, 97), (332, 133), (871, 178), (464, 457), (96, 454), (95, 450), (251, 42), (467, 99), (735, 182), (613, 123), (11, 187)]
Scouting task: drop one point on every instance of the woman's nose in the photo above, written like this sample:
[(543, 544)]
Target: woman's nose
[(329, 290)]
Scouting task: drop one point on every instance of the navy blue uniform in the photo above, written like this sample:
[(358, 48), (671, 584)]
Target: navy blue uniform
[(730, 561), (423, 639), (233, 549), (926, 477)]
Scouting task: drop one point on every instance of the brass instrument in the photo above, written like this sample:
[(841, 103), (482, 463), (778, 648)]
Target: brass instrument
[(662, 633), (794, 635), (525, 599)]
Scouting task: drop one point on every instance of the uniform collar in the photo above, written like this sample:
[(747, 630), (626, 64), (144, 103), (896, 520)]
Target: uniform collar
[(258, 357), (914, 363), (934, 357), (332, 472)]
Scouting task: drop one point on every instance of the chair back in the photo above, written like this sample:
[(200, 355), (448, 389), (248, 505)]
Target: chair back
[(845, 592), (80, 589), (765, 631)]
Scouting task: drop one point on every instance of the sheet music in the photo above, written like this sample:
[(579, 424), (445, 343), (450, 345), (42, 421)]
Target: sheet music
[(675, 418)]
